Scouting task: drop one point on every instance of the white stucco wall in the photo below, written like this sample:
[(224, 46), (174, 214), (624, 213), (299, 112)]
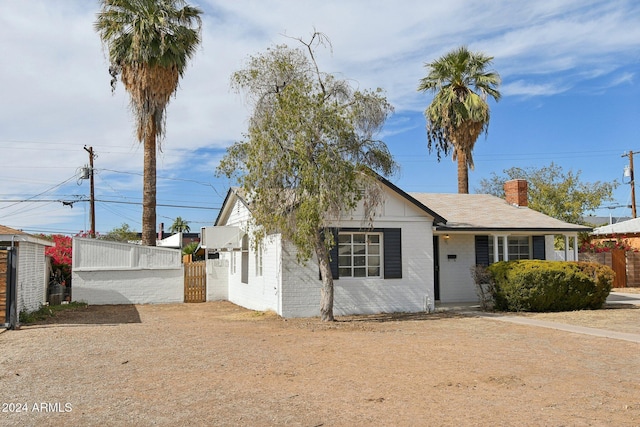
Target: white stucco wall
[(261, 292), (142, 286), (121, 273), (217, 279), (456, 282)]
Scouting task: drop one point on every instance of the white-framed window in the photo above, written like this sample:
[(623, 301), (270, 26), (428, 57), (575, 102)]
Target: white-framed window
[(359, 254), (519, 247), (258, 254), (244, 265)]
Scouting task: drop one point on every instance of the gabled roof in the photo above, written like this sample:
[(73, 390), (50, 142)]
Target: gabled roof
[(437, 217), (8, 234), (461, 212), (232, 193), (484, 212), (624, 227), (235, 192)]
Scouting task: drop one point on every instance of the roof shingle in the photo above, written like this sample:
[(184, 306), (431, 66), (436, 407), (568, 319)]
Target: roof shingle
[(487, 212)]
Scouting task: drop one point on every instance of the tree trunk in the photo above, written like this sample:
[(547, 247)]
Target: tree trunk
[(326, 293), (149, 186), (463, 172)]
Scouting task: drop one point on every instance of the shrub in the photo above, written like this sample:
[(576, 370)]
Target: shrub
[(484, 286), (532, 285)]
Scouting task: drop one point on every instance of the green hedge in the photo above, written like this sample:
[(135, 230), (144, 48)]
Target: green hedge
[(533, 285)]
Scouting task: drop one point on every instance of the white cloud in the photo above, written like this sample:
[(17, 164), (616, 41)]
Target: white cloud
[(522, 88)]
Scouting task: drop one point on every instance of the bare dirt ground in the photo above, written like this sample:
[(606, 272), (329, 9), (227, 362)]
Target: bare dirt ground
[(218, 364)]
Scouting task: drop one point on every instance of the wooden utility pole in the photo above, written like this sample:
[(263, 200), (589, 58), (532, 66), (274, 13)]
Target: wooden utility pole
[(92, 204), (633, 185)]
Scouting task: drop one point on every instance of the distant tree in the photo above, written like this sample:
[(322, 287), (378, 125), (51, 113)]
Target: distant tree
[(121, 234), (553, 192), (309, 153), (190, 249), (180, 226), (459, 112), (149, 43)]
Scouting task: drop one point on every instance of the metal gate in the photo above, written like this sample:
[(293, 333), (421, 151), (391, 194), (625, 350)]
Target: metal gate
[(195, 281), (8, 300), (4, 286)]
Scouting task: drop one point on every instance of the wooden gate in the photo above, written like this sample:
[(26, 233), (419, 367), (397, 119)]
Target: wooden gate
[(4, 285), (195, 281), (619, 266)]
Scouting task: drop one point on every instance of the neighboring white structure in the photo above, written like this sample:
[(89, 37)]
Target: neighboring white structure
[(32, 268), (420, 250), (629, 227), (105, 272)]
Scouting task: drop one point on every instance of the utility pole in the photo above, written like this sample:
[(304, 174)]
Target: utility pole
[(632, 182), (92, 204)]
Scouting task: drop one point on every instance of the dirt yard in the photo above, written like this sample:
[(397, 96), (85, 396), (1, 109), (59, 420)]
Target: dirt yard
[(218, 364)]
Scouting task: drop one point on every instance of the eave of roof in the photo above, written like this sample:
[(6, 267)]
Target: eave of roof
[(624, 227), (437, 218), (8, 234), (234, 192)]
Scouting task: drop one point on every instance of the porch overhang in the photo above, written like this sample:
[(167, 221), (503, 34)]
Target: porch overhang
[(221, 238)]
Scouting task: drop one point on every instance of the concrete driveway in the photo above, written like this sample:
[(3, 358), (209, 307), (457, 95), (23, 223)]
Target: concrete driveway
[(623, 298)]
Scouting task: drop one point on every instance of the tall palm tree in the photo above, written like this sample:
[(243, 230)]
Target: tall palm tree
[(180, 226), (459, 112), (149, 43)]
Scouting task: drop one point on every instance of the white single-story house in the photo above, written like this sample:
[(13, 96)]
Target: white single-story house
[(419, 251), (29, 272)]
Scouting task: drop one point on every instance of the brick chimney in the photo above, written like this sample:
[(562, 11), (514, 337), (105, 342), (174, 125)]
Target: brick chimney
[(515, 192)]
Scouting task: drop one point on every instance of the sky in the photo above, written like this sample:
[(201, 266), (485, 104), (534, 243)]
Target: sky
[(570, 84)]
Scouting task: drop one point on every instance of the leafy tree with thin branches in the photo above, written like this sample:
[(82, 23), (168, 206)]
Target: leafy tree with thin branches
[(149, 43), (459, 112), (310, 153), (554, 192)]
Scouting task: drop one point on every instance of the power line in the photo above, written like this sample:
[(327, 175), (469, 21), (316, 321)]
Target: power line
[(159, 204), (44, 192), (67, 202)]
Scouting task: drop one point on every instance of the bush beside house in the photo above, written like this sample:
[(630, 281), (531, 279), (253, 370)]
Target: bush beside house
[(534, 285)]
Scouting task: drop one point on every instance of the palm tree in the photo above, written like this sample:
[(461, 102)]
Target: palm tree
[(459, 112), (149, 43), (180, 226)]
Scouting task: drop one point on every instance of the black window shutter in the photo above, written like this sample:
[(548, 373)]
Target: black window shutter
[(482, 250), (538, 247), (392, 243), (333, 256)]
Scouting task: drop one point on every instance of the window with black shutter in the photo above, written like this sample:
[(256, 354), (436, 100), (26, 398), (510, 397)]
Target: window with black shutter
[(372, 253), (482, 250)]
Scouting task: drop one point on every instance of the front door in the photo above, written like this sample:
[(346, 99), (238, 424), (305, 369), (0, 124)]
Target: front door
[(436, 268)]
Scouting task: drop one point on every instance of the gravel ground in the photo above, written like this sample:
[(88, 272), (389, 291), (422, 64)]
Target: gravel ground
[(218, 364)]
